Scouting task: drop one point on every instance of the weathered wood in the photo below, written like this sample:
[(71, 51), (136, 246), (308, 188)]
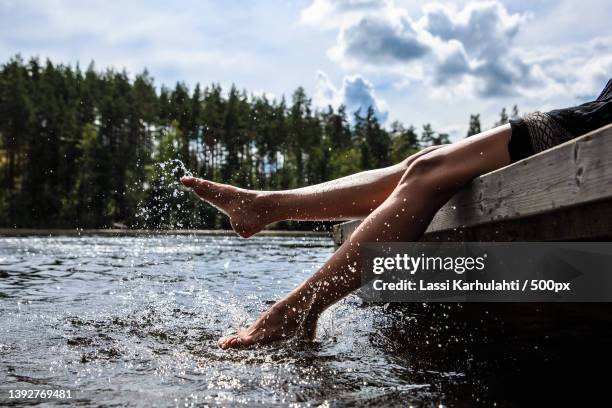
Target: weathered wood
[(563, 193)]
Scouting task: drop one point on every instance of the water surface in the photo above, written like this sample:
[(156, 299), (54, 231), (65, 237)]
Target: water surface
[(135, 320)]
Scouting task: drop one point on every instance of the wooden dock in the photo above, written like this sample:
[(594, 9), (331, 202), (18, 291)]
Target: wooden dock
[(561, 194)]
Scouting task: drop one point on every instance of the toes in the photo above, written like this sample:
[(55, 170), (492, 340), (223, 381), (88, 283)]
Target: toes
[(201, 187), (235, 342), (229, 342), (188, 181), (222, 343)]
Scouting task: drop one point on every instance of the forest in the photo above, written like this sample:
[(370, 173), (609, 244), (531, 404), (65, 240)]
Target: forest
[(101, 149)]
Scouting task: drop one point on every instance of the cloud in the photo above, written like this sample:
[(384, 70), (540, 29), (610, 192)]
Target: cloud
[(377, 39), (446, 46), (484, 28), (194, 42), (127, 35), (483, 33), (330, 14), (355, 93), (575, 71), (468, 56), (469, 51)]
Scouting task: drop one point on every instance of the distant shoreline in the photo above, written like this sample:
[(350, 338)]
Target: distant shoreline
[(20, 232)]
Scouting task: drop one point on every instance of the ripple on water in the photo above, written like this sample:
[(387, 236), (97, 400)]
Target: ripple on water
[(136, 320)]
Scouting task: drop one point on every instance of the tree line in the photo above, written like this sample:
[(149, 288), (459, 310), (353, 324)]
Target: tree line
[(97, 149)]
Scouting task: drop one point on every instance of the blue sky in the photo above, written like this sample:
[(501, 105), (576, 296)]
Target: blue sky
[(415, 61)]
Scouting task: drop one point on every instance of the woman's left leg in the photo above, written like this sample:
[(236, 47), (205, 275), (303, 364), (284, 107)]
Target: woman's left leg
[(426, 185), (350, 197)]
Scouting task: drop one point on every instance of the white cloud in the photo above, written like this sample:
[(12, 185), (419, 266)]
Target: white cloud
[(330, 14), (189, 40), (576, 70), (381, 40), (482, 33), (124, 35), (450, 45), (466, 52), (355, 93)]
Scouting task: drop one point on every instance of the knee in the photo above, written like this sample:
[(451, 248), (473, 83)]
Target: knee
[(424, 171), (423, 152)]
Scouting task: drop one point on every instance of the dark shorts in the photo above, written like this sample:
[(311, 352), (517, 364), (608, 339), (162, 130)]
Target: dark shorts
[(539, 131)]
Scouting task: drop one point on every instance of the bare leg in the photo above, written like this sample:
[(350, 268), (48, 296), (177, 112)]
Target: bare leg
[(350, 197), (425, 186)]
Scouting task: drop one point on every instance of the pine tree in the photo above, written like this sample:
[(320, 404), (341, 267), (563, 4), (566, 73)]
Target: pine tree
[(503, 118), (427, 135), (404, 142), (231, 137), (515, 113), (212, 127), (297, 136), (16, 126), (441, 138), (474, 127), (92, 184), (374, 141)]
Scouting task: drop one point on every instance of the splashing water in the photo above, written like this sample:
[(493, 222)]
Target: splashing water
[(177, 169), (134, 321), (137, 319), (166, 204)]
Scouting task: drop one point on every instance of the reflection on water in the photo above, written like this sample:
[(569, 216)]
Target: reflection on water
[(134, 321)]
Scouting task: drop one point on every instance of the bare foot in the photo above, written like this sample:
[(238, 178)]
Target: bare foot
[(280, 322), (249, 211)]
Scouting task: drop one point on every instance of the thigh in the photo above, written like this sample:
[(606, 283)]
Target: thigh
[(456, 164)]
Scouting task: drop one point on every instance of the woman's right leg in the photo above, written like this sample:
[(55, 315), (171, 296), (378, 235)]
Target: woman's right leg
[(432, 179), (350, 197)]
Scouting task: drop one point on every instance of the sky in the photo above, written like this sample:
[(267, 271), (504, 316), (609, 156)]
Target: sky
[(413, 61)]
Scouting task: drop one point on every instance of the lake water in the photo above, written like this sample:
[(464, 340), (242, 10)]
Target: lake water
[(135, 320)]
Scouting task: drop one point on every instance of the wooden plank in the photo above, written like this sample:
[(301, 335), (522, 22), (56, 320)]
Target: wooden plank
[(342, 232), (588, 222), (574, 174)]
